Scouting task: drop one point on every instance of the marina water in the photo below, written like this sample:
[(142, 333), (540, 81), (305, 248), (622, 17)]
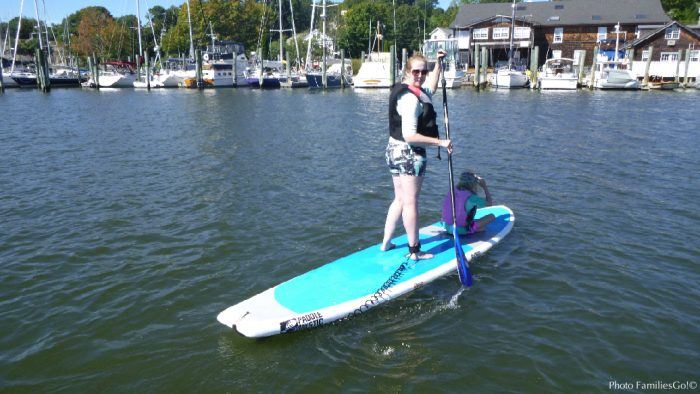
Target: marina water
[(130, 219)]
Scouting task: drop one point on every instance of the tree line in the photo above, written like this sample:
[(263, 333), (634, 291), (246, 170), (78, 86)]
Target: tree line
[(353, 25)]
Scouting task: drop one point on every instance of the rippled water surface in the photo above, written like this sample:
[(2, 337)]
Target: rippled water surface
[(129, 219)]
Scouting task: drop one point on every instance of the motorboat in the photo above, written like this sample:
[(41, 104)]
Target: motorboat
[(333, 76), (558, 73), (611, 74), (375, 71)]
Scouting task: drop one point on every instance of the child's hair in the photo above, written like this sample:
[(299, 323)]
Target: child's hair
[(468, 181), (409, 63)]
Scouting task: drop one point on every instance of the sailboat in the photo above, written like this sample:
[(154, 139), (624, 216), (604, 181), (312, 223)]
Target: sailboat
[(375, 71), (454, 74), (335, 75), (507, 76)]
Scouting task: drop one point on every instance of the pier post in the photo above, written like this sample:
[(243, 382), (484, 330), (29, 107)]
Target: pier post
[(591, 84), (96, 74), (138, 67), (645, 81), (2, 86), (404, 57), (392, 65), (324, 74), (581, 65), (677, 77), (148, 70), (92, 70), (362, 57), (687, 64), (200, 76), (485, 64), (477, 65), (534, 65), (342, 68), (235, 70)]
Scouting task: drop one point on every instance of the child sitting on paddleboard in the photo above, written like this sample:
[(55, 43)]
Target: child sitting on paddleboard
[(467, 201)]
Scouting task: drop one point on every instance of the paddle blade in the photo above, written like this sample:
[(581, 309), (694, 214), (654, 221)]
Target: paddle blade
[(465, 276)]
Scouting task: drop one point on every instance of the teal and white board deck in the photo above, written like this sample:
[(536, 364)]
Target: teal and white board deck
[(352, 283)]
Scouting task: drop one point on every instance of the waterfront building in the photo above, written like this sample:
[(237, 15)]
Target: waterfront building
[(558, 28)]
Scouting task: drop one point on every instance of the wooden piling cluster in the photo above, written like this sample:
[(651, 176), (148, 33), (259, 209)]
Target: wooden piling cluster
[(42, 70)]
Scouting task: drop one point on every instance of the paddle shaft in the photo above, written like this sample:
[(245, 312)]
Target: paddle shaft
[(462, 265)]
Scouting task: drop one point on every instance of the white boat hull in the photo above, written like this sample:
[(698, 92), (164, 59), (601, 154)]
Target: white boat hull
[(558, 83), (510, 79), (8, 82), (373, 75), (615, 79), (117, 80)]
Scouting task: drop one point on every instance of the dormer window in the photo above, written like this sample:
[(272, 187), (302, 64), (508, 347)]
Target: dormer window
[(673, 33)]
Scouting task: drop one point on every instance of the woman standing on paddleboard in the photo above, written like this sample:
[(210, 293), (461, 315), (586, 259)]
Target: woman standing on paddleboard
[(412, 128)]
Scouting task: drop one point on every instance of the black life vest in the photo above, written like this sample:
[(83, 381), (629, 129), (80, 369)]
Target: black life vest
[(427, 121)]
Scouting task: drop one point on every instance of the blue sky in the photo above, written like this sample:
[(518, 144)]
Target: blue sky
[(56, 10)]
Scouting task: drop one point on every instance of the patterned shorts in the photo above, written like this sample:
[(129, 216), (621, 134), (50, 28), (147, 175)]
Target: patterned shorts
[(403, 159)]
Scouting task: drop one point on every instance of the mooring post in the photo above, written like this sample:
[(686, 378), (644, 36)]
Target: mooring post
[(392, 65), (477, 65), (96, 75), (235, 70), (2, 85), (148, 70), (534, 65), (677, 77), (200, 76), (485, 64), (342, 68), (645, 81), (581, 65), (687, 64), (404, 57), (591, 84)]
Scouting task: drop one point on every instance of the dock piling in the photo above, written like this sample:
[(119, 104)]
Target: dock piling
[(484, 65), (148, 70), (392, 65), (687, 64), (645, 81), (591, 84), (534, 65), (342, 68), (2, 86), (477, 64)]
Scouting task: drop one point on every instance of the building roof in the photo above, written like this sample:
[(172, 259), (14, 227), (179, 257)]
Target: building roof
[(568, 12), (655, 33)]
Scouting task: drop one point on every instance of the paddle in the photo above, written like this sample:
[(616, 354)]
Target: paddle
[(462, 263)]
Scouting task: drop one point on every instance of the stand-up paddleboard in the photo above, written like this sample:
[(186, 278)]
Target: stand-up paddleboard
[(353, 284)]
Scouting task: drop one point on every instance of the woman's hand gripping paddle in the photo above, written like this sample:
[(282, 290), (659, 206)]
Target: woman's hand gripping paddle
[(465, 275)]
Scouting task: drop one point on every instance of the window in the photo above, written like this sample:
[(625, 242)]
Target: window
[(669, 56), (481, 34), (520, 7), (554, 18), (602, 33), (522, 32), (645, 55), (556, 54), (673, 33), (695, 56), (558, 35), (595, 17), (501, 33), (640, 16), (559, 6)]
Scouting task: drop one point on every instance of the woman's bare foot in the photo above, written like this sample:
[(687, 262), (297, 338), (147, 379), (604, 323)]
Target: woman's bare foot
[(387, 247)]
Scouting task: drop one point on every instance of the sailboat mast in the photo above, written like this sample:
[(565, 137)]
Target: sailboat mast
[(138, 24), (311, 30), (512, 33), (38, 25), (46, 31), (323, 37), (617, 39), (19, 27), (189, 22), (294, 32), (279, 2)]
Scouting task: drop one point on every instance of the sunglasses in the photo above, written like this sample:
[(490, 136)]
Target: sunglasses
[(421, 72)]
